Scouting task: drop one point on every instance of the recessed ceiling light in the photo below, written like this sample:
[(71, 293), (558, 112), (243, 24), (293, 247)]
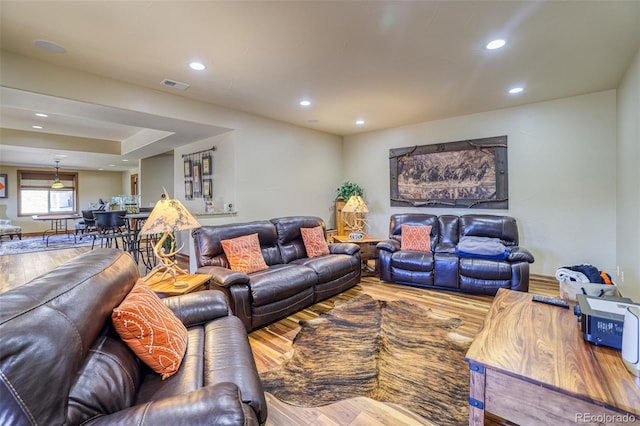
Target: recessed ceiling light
[(305, 102), (61, 155), (516, 90), (39, 114), (124, 159), (495, 44), (112, 165), (49, 46), (37, 127), (198, 66), (359, 122)]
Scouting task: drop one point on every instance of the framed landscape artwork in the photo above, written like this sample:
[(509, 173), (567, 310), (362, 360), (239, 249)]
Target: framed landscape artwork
[(461, 174)]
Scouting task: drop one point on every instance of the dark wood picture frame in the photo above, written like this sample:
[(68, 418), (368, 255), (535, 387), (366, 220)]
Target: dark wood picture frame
[(197, 179), (188, 171), (188, 189), (206, 165), (462, 174), (207, 188), (3, 185)]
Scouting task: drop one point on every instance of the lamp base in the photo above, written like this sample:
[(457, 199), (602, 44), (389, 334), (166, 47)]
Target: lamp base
[(180, 284)]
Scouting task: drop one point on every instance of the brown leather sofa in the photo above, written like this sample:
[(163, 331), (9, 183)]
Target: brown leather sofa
[(61, 362), (446, 266), (292, 281)]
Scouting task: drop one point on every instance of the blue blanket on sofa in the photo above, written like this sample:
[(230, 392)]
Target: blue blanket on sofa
[(482, 247)]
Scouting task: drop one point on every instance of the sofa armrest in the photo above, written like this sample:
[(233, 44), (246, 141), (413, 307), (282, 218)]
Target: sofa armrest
[(390, 245), (344, 248), (224, 277), (520, 254), (198, 308), (219, 404)]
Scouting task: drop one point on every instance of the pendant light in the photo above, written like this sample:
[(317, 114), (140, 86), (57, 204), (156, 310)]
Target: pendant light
[(56, 183)]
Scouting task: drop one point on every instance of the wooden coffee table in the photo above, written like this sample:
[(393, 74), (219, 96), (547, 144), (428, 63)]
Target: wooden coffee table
[(367, 252), (165, 287), (530, 365)]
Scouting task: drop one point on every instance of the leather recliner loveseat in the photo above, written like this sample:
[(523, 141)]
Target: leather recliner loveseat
[(445, 265), (292, 280), (62, 363)]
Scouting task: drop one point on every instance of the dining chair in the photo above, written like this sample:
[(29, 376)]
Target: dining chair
[(111, 228)]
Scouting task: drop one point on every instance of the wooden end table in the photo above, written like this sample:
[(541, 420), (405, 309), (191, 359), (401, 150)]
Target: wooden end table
[(530, 365), (367, 252), (166, 288)]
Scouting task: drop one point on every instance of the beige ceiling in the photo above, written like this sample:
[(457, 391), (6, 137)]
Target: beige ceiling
[(390, 63)]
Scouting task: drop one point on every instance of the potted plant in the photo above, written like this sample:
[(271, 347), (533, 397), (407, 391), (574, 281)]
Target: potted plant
[(347, 189)]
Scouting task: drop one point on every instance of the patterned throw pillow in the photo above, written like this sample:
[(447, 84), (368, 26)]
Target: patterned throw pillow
[(314, 241), (416, 237), (244, 254), (151, 330)]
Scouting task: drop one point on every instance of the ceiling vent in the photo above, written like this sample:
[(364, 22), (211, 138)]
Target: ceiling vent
[(174, 84)]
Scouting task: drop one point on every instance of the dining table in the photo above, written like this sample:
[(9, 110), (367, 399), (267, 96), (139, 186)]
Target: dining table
[(59, 224)]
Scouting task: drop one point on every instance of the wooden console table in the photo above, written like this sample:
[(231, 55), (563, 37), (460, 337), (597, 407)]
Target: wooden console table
[(530, 365)]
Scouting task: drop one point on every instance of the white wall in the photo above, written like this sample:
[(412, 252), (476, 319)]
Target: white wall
[(562, 174), (628, 182), (156, 173)]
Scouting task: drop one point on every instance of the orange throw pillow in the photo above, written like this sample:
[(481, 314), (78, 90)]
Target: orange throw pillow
[(244, 254), (151, 330), (416, 237), (314, 241)]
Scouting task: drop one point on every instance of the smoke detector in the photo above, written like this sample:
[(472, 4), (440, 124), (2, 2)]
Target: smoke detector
[(174, 84)]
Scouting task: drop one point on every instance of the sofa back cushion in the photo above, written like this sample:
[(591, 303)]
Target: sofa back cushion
[(413, 219), (107, 382), (504, 228), (49, 325), (208, 242), (290, 237)]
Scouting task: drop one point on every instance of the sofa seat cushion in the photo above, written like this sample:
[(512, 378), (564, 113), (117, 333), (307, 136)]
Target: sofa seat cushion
[(188, 378), (412, 261), (279, 282), (331, 267)]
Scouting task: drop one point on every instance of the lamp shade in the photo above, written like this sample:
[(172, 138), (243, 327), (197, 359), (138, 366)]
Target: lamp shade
[(355, 205), (169, 215)]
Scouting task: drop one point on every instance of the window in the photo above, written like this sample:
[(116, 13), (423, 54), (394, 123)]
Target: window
[(35, 195)]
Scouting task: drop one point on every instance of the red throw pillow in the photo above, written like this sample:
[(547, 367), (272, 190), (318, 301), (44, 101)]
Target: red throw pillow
[(416, 237), (151, 330), (244, 254), (314, 241)]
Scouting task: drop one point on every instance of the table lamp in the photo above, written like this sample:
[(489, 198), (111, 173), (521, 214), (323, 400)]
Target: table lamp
[(167, 217), (355, 220)]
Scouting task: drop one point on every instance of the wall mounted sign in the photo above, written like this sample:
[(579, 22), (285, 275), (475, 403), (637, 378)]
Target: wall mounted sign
[(462, 174)]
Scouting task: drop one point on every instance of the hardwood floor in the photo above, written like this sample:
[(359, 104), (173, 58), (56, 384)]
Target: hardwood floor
[(272, 343)]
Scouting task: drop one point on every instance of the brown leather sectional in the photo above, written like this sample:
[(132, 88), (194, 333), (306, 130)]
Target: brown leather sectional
[(61, 362), (292, 281)]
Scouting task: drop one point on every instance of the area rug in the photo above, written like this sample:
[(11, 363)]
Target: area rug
[(389, 351), (32, 244)]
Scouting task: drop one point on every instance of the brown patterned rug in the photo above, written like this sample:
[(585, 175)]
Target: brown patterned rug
[(389, 351)]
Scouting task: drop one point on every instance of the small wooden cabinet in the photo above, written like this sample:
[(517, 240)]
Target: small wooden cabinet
[(368, 252)]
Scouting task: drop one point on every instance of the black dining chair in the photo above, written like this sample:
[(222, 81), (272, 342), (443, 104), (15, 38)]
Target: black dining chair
[(111, 228), (87, 224)]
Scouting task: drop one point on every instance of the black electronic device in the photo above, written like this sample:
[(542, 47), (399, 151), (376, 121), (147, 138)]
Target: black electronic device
[(550, 301), (602, 319)]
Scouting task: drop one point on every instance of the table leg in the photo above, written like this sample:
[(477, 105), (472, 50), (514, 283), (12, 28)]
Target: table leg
[(476, 394)]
